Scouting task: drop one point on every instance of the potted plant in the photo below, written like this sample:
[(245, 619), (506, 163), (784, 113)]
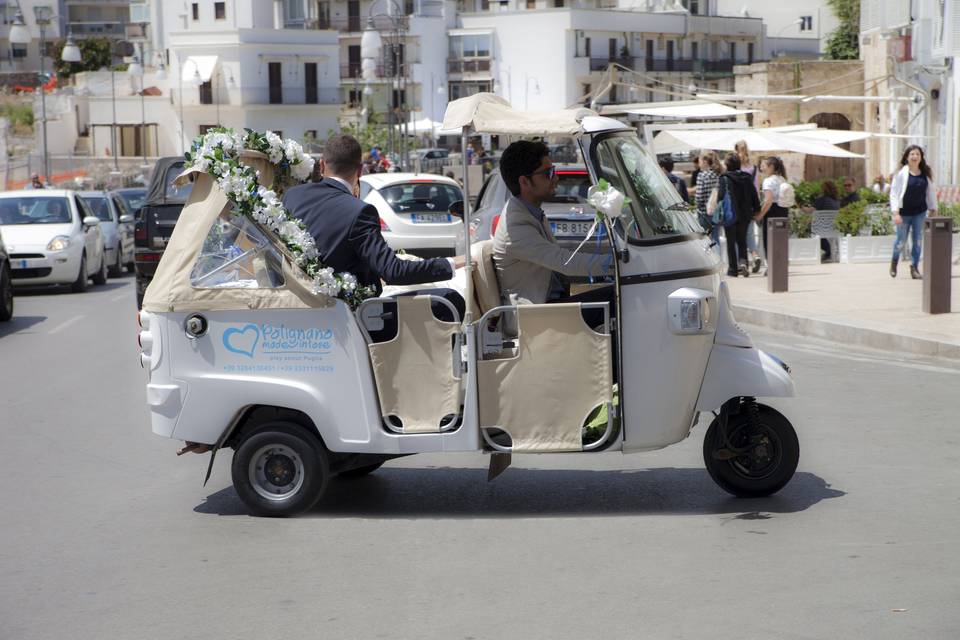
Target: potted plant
[(804, 247), (868, 232)]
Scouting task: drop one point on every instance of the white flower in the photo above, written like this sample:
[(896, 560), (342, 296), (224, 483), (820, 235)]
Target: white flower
[(303, 169), (275, 152), (348, 281)]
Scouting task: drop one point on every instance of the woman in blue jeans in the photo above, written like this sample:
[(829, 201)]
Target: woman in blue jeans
[(912, 196)]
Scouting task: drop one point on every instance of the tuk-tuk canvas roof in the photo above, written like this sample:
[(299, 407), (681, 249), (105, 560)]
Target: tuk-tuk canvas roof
[(488, 113), (171, 290)]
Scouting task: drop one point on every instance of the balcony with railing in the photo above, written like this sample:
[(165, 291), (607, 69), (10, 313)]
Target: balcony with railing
[(352, 24), (683, 65), (469, 65), (85, 29), (711, 67), (354, 70)]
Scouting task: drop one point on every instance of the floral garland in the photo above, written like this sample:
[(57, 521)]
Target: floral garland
[(218, 153)]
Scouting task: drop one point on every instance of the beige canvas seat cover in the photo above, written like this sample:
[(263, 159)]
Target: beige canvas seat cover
[(170, 290), (414, 371), (543, 395), (486, 288)]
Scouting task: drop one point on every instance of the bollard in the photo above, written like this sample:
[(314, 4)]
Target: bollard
[(937, 250), (778, 254)]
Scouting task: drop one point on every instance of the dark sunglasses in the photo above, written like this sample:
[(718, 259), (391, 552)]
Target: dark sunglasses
[(549, 172)]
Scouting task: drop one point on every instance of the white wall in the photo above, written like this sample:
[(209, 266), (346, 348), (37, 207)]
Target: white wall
[(780, 17), (433, 58)]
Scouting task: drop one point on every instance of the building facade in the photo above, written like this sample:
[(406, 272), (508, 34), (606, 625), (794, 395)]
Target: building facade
[(910, 50)]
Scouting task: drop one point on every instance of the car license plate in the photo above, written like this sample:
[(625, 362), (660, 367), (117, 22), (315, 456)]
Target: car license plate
[(431, 217), (576, 229), (23, 264)]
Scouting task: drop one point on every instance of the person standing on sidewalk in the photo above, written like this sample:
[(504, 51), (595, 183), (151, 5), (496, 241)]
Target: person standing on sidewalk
[(743, 196), (912, 196), (774, 175), (706, 183), (747, 166)]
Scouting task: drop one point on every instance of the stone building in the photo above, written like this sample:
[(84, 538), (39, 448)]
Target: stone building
[(808, 77)]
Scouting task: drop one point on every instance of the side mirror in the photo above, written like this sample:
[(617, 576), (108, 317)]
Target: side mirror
[(456, 209), (91, 221), (126, 219)]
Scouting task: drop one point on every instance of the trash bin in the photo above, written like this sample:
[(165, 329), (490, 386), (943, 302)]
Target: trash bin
[(937, 251), (778, 254)]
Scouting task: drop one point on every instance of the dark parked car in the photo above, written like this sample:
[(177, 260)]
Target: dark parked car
[(6, 284), (156, 219)]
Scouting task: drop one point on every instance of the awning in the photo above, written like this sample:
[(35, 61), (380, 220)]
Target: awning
[(686, 110), (488, 113), (832, 136), (204, 65), (756, 139)]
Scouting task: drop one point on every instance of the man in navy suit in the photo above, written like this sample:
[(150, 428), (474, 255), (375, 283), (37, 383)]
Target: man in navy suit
[(347, 230)]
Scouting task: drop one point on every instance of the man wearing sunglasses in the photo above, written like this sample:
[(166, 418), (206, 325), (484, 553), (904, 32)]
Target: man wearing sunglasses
[(530, 264)]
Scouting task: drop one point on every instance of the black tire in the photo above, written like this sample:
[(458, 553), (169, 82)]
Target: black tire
[(130, 266), (274, 453), (767, 467), (359, 472), (80, 284), (6, 293), (116, 269), (100, 277)]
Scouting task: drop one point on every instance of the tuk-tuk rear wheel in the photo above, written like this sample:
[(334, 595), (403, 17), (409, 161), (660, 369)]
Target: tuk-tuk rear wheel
[(766, 457), (280, 470)]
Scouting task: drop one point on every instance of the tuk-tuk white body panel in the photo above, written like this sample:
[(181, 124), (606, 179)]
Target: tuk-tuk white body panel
[(312, 361)]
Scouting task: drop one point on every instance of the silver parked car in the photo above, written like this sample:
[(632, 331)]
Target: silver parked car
[(116, 227)]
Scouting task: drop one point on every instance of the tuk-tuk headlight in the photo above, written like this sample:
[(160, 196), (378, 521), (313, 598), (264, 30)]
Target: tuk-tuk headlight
[(689, 311), (690, 315)]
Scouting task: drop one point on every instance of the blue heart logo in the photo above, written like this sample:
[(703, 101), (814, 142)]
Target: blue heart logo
[(243, 341)]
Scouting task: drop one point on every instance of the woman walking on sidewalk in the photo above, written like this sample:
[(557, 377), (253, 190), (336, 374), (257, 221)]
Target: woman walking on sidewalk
[(774, 175), (912, 196), (743, 196), (747, 166), (706, 183)]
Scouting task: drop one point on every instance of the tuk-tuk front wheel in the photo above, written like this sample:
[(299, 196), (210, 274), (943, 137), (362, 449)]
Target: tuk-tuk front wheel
[(280, 470), (758, 457)]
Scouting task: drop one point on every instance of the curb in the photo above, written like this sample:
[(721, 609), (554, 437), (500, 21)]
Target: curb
[(845, 333)]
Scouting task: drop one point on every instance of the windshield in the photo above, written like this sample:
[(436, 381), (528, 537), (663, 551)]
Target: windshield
[(133, 199), (655, 207), (421, 197), (50, 210), (99, 207), (172, 191), (572, 187)]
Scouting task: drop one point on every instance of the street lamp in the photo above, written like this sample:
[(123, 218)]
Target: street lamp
[(20, 34), (371, 48), (71, 52)]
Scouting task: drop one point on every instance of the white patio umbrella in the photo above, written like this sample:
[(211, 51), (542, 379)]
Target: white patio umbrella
[(756, 139)]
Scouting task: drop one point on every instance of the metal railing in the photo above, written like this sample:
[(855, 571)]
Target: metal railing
[(476, 65)]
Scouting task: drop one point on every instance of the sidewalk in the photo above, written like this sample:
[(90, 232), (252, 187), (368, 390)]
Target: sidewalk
[(853, 304)]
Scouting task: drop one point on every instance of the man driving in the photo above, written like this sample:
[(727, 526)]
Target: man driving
[(528, 260)]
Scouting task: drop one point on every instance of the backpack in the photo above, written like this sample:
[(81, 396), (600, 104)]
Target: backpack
[(786, 197), (724, 213)]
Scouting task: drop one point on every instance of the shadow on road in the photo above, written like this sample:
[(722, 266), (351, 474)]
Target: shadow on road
[(64, 289), (530, 493), (19, 323)]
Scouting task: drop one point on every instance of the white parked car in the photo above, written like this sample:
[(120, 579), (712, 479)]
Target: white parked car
[(117, 230), (52, 238), (414, 211)]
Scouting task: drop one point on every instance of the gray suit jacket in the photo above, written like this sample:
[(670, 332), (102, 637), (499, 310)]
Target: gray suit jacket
[(526, 254)]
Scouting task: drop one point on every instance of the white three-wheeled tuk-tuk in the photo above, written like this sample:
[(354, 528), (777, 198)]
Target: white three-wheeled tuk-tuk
[(242, 354)]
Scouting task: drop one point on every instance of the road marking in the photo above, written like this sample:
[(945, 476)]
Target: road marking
[(64, 325), (863, 358), (119, 297)]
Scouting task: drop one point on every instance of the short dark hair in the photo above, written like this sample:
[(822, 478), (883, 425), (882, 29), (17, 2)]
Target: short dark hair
[(521, 158), (666, 163), (732, 161), (342, 154)]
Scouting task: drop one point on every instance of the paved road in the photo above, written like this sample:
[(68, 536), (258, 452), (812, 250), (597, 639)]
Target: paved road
[(106, 534)]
